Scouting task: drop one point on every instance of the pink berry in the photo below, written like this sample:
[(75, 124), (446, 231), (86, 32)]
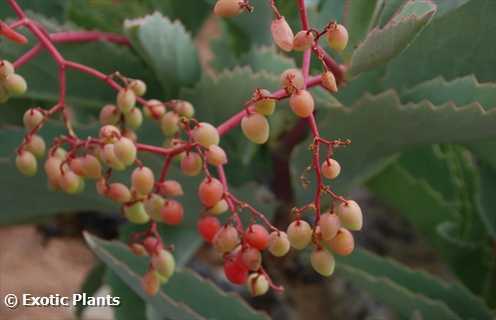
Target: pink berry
[(210, 191), (169, 123), (350, 215), (110, 158), (76, 165), (191, 164), (207, 227), (91, 167), (226, 239), (302, 104), (343, 243), (299, 234), (170, 188), (216, 156), (26, 163), (125, 150), (257, 236), (303, 40), (337, 36), (329, 225), (282, 34), (118, 192), (205, 134), (32, 118), (6, 68), (133, 119), (70, 182), (52, 169), (109, 114), (330, 168), (164, 263), (142, 180), (323, 262), (154, 109), (292, 80), (228, 8), (138, 87), (36, 146), (185, 109), (151, 283), (172, 212), (126, 99), (109, 133), (251, 258), (256, 128)]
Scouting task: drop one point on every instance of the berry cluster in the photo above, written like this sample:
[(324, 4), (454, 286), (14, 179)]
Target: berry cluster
[(151, 199)]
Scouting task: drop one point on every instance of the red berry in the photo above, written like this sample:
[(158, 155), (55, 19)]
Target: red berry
[(210, 191), (257, 236), (207, 227), (235, 271), (152, 245), (172, 212)]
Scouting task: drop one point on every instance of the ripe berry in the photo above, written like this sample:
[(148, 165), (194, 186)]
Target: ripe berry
[(323, 262), (142, 180), (172, 212), (282, 34), (292, 80), (337, 36), (36, 146), (257, 284), (303, 40), (26, 163), (205, 134), (329, 225), (153, 206), (15, 84), (134, 118), (169, 123), (70, 182), (118, 192), (6, 69), (210, 191), (126, 99), (219, 208), (257, 236), (125, 151), (235, 271), (109, 133), (109, 157), (152, 245), (32, 118), (226, 239), (256, 128), (299, 234), (136, 213), (164, 263), (109, 114), (251, 258), (151, 283), (343, 243), (191, 164), (330, 168), (265, 106), (138, 87), (154, 109), (185, 109), (91, 167), (216, 156), (328, 81), (170, 188), (302, 104), (227, 8), (207, 227), (350, 215), (278, 243)]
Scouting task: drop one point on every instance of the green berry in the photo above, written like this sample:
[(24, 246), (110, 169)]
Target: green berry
[(126, 99), (323, 262), (136, 213), (26, 163), (299, 234), (15, 84), (134, 118)]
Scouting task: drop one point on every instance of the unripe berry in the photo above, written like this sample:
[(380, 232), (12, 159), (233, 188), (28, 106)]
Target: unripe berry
[(278, 243), (109, 114), (134, 118), (226, 239), (170, 188), (210, 191), (208, 227), (36, 146), (257, 284), (191, 164), (265, 106), (219, 208), (328, 81), (172, 212), (125, 150), (227, 8), (323, 262), (302, 104), (205, 134), (257, 236), (164, 263), (126, 99), (142, 180), (343, 243), (4, 95), (303, 40), (26, 163), (136, 213), (60, 153), (70, 182), (329, 225), (15, 84), (153, 206), (282, 34), (151, 283), (32, 118), (235, 271), (137, 249), (109, 133), (110, 158), (169, 123), (185, 109), (6, 69), (350, 215), (138, 87), (52, 168), (91, 167), (299, 234), (154, 109), (337, 36), (251, 258), (292, 80), (256, 128), (216, 156), (330, 168), (118, 192)]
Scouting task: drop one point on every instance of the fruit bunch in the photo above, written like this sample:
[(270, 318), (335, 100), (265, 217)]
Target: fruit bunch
[(152, 198)]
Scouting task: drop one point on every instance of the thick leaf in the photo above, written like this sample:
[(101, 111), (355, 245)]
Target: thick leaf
[(54, 9), (168, 49), (185, 296), (458, 298), (325, 12), (487, 200), (91, 284), (131, 305), (381, 45)]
